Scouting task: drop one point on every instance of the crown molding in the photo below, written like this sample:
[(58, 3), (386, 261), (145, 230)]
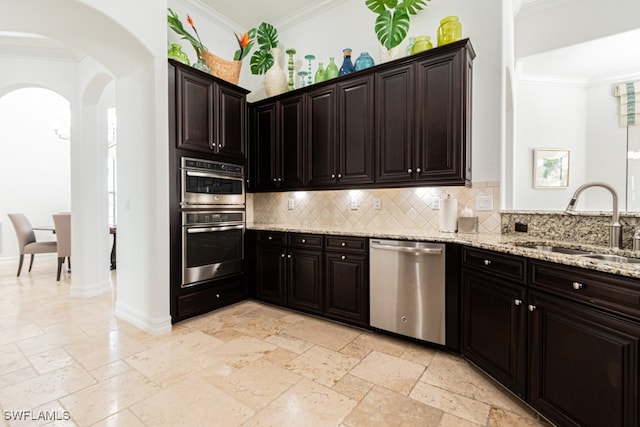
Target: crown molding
[(211, 14), (306, 13)]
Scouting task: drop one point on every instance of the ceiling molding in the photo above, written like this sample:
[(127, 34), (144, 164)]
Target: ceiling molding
[(212, 14), (306, 13)]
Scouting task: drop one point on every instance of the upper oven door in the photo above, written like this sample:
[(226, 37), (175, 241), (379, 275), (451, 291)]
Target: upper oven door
[(204, 188)]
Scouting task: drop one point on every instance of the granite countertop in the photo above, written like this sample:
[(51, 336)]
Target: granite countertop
[(507, 243)]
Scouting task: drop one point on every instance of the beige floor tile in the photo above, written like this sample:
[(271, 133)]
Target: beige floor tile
[(17, 377), (50, 414), (203, 364), (501, 418), (11, 359), (305, 404), (382, 407), (121, 419), (353, 387), (103, 349), (280, 356), (111, 370), (451, 372), (225, 335), (389, 371), (322, 365), (420, 354), (449, 420), (104, 399), (355, 349), (177, 352), (323, 333), (382, 343), (258, 383), (192, 402), (19, 333), (53, 338), (242, 351), (289, 342), (50, 360), (455, 404), (45, 388)]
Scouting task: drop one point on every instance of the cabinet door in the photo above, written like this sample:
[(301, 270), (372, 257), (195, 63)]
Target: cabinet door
[(346, 287), (271, 277), (230, 116), (355, 131), (304, 274), (583, 364), (194, 111), (395, 125), (439, 118), (321, 136), (493, 328), (292, 153), (264, 147)]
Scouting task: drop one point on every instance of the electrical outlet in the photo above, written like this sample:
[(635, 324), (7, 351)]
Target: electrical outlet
[(484, 203), (291, 203), (354, 204), (435, 204), (377, 203)]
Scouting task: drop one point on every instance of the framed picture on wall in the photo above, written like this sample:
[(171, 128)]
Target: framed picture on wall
[(550, 168)]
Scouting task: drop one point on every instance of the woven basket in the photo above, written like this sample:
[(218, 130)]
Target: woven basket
[(226, 70)]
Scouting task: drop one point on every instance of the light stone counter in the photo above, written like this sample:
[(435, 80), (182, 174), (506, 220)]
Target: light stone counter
[(507, 243)]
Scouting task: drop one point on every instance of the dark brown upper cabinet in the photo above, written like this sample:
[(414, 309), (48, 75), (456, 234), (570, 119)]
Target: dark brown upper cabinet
[(210, 113)]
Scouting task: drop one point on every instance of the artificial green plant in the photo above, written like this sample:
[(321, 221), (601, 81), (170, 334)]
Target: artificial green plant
[(392, 23)]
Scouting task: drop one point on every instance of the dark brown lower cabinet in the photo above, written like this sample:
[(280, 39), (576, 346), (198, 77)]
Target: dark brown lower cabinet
[(583, 363), (347, 293), (304, 274), (271, 274), (494, 326)]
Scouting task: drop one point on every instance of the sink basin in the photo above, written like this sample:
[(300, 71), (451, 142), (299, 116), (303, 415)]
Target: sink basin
[(613, 258), (557, 249)]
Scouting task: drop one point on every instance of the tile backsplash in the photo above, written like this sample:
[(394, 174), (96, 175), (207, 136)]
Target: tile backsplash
[(400, 208)]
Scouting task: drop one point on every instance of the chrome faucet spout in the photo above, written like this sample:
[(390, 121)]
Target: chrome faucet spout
[(615, 229)]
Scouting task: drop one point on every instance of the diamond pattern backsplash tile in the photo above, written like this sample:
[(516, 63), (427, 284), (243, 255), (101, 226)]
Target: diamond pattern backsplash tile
[(403, 208)]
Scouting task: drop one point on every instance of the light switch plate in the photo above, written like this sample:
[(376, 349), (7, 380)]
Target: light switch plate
[(291, 203), (484, 203), (354, 205), (435, 204)]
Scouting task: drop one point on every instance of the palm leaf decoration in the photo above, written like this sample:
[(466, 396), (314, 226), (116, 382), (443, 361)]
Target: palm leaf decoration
[(267, 38), (392, 23)]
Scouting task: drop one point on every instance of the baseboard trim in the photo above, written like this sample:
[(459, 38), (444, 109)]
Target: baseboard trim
[(153, 326)]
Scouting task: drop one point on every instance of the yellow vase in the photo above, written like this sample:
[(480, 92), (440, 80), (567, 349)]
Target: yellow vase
[(420, 44), (450, 30)]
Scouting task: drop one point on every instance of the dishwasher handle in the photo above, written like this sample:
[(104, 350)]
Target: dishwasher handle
[(408, 249)]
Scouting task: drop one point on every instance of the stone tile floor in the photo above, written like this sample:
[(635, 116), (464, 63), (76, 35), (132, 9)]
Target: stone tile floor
[(71, 362)]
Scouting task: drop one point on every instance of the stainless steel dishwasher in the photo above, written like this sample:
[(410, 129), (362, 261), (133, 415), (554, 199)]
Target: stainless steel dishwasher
[(407, 295)]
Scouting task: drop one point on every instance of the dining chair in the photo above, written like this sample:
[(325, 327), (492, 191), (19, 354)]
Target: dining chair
[(62, 224), (27, 240)]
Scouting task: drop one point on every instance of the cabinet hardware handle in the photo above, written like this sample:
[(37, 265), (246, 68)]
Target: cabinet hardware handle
[(282, 256), (487, 262), (289, 256), (270, 238), (217, 295), (409, 170), (532, 307), (304, 240), (418, 170), (343, 244), (343, 257), (518, 302), (275, 179), (279, 179), (577, 285), (219, 145), (333, 176), (339, 175)]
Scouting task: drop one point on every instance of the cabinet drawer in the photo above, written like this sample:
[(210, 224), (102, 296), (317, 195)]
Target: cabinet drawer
[(594, 288), (499, 264), (298, 240), (210, 299), (346, 244), (272, 237)]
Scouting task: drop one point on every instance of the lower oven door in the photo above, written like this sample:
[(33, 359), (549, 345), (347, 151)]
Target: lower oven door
[(211, 252)]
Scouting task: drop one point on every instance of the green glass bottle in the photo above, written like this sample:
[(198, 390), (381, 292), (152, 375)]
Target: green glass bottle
[(320, 75), (332, 69), (175, 52)]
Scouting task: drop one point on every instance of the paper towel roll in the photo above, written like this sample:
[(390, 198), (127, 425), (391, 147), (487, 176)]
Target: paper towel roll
[(448, 214)]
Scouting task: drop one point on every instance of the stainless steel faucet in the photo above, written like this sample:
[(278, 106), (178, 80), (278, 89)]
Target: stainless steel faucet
[(615, 229)]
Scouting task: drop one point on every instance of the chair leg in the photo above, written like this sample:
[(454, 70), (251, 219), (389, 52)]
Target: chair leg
[(60, 261), (20, 265), (31, 263), (69, 264)]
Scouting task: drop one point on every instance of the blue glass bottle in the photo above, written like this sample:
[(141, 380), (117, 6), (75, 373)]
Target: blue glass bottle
[(347, 65), (364, 61)]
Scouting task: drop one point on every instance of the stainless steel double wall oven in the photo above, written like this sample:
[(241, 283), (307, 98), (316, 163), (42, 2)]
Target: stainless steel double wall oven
[(212, 206)]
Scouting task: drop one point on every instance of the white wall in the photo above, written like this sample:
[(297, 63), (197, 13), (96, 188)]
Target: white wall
[(34, 162)]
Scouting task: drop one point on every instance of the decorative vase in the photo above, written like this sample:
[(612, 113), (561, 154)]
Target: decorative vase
[(201, 65), (347, 66), (332, 69), (421, 44), (364, 61), (450, 30), (320, 75), (175, 52), (290, 67), (275, 80), (389, 54)]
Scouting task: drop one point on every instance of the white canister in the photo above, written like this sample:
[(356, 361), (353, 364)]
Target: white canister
[(448, 214)]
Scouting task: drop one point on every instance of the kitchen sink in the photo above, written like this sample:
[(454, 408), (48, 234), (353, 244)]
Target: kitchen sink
[(557, 249), (613, 258)]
